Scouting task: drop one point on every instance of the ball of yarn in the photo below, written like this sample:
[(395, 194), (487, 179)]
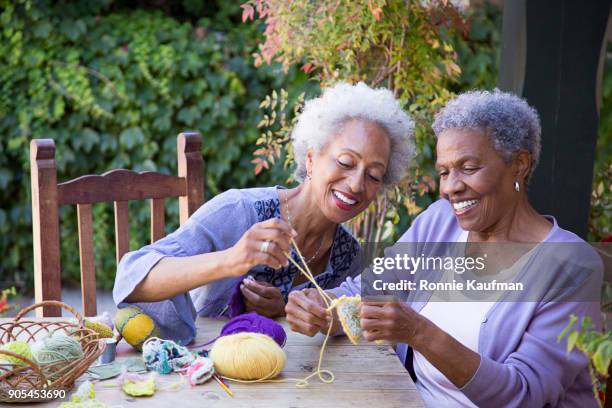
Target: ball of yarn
[(18, 347), (255, 323), (57, 346), (102, 329), (135, 326), (247, 356)]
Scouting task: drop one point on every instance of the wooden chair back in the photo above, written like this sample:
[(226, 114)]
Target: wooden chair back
[(117, 186)]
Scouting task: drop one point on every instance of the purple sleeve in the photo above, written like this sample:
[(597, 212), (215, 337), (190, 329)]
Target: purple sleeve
[(540, 371)]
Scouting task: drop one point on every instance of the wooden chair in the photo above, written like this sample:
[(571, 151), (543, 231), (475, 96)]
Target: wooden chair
[(117, 186)]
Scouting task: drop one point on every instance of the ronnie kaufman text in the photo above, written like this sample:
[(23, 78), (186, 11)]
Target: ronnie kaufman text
[(468, 285)]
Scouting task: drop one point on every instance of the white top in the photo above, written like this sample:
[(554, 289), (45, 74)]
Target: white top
[(462, 320)]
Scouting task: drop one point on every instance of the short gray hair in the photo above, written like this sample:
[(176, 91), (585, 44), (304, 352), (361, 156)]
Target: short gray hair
[(323, 116), (507, 119)]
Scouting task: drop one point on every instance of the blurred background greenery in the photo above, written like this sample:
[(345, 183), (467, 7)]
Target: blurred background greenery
[(113, 82)]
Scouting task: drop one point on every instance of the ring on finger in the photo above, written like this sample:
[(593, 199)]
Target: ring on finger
[(264, 246)]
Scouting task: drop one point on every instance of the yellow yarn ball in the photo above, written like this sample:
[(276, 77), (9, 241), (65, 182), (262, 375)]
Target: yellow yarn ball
[(135, 326), (247, 356), (18, 347), (103, 330)]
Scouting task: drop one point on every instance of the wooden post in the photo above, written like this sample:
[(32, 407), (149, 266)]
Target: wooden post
[(550, 55), (45, 225), (190, 166)]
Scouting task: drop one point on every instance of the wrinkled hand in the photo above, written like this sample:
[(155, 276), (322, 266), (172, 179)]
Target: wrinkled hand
[(262, 298), (307, 313), (391, 321), (247, 252)]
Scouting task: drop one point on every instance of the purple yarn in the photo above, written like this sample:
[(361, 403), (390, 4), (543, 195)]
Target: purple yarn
[(254, 323), (236, 301)]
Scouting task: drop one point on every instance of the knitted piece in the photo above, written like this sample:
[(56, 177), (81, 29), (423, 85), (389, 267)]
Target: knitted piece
[(84, 397), (348, 314), (135, 387), (200, 371), (165, 356)]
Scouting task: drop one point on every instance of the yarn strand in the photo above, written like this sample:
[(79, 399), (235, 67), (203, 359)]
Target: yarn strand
[(325, 376)]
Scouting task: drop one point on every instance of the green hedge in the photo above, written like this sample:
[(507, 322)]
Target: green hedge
[(113, 87)]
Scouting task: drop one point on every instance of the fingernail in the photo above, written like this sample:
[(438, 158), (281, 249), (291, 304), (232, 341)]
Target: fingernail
[(241, 286), (294, 232)]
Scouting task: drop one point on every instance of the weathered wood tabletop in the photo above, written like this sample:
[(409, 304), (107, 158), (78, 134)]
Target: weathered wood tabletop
[(366, 375)]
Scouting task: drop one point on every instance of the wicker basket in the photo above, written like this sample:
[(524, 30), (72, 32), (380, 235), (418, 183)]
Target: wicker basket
[(59, 375)]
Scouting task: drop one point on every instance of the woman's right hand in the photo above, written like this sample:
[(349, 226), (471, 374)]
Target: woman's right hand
[(307, 313), (247, 252)]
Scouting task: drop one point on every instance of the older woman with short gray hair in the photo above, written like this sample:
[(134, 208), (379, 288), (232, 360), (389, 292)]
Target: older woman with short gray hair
[(475, 348), (229, 257)]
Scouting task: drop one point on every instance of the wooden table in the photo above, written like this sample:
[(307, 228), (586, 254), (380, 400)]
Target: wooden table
[(367, 375)]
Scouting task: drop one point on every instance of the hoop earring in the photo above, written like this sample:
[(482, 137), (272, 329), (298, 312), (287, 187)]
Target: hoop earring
[(517, 186)]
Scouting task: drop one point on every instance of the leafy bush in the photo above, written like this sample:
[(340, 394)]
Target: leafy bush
[(113, 87)]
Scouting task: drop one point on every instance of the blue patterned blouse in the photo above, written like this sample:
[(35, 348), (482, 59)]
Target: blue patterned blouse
[(215, 226)]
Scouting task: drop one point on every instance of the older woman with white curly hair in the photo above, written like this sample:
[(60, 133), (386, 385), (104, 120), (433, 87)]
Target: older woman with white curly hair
[(480, 347), (229, 257)]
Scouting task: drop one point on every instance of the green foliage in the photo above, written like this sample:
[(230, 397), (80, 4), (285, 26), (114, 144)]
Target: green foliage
[(113, 87), (596, 345), (600, 214)]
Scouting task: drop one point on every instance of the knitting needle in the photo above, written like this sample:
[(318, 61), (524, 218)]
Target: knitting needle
[(229, 392)]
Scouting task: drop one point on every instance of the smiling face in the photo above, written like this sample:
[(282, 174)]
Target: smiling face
[(475, 179), (348, 171)]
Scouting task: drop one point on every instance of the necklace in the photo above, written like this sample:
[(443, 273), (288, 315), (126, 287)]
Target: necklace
[(312, 258)]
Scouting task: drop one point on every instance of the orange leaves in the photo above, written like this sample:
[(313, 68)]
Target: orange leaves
[(376, 11), (307, 67)]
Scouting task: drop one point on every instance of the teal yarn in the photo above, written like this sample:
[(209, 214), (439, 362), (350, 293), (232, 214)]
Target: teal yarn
[(165, 356), (57, 346)]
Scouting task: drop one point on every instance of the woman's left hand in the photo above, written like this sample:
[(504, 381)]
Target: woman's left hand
[(262, 298), (391, 321)]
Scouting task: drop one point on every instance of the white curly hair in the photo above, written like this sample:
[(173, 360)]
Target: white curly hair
[(322, 117)]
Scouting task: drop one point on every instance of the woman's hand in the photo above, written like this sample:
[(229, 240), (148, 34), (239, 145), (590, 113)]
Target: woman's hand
[(391, 321), (262, 298), (252, 248), (307, 313)]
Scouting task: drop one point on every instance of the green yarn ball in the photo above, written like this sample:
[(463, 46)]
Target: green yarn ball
[(57, 346), (18, 347)]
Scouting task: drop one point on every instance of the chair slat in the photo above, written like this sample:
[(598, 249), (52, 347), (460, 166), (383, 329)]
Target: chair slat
[(158, 219), (120, 185), (122, 229), (88, 273)]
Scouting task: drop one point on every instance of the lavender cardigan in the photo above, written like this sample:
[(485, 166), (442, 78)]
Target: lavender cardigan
[(521, 363)]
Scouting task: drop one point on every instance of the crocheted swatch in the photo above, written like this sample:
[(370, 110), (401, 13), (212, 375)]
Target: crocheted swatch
[(348, 314)]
